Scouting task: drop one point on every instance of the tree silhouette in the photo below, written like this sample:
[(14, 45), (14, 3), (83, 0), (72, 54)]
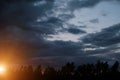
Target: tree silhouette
[(98, 71), (38, 73), (115, 66), (67, 71), (50, 73)]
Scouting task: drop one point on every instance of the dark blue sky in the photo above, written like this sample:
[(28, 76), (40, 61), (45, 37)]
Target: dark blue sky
[(59, 31)]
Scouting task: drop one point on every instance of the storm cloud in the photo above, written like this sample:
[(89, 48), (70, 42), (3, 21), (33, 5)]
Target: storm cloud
[(47, 32)]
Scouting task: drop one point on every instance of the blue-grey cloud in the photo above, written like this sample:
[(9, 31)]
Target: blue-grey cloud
[(76, 31), (26, 24), (21, 13), (61, 48), (77, 4), (106, 37), (48, 26), (94, 21)]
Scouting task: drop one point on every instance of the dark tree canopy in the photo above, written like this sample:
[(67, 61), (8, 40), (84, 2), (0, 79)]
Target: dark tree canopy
[(98, 71)]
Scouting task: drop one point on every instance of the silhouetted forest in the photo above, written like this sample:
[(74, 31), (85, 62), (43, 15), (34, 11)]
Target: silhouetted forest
[(98, 71)]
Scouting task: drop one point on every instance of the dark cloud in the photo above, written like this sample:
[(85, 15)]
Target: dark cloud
[(94, 21), (76, 4), (48, 26), (67, 48), (61, 48), (64, 59), (104, 14), (20, 29), (66, 17), (76, 31), (47, 53), (106, 37), (21, 13)]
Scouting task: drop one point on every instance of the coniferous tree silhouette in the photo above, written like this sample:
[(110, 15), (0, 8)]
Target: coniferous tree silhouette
[(98, 71), (38, 73)]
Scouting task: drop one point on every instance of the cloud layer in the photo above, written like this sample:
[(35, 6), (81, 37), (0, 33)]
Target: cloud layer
[(52, 31)]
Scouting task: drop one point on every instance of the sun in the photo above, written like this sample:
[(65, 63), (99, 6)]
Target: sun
[(2, 69)]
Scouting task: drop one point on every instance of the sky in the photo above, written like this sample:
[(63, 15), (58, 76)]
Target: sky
[(53, 32)]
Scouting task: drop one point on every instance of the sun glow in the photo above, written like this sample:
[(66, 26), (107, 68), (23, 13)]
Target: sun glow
[(2, 69)]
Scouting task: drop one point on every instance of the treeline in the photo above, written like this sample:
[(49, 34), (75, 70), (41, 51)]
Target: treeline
[(98, 71)]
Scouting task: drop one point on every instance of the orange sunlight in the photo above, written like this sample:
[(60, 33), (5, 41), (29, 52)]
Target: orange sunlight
[(2, 69)]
